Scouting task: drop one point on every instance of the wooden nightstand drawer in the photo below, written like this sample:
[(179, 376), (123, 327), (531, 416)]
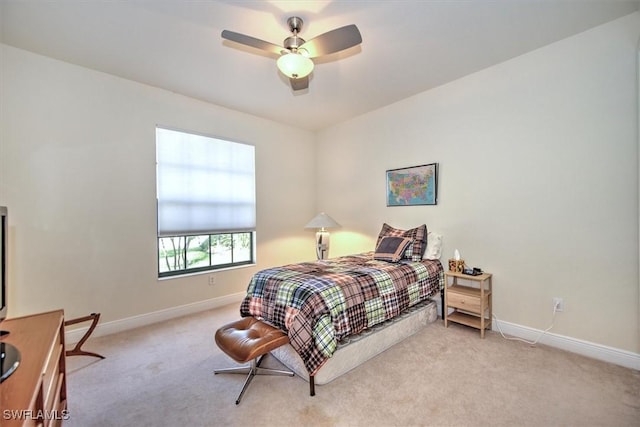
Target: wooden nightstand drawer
[(464, 300)]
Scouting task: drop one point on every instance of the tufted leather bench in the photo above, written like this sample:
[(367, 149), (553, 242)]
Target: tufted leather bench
[(249, 339)]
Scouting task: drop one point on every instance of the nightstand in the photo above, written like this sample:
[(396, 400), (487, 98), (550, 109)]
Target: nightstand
[(470, 298)]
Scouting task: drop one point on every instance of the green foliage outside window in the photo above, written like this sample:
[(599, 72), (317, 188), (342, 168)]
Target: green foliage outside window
[(186, 254)]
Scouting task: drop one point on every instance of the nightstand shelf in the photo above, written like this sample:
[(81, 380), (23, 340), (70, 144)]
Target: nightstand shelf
[(471, 305)]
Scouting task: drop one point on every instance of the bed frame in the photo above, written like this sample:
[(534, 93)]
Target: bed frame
[(355, 350)]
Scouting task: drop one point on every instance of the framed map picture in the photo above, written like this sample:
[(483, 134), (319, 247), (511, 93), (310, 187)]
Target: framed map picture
[(415, 185)]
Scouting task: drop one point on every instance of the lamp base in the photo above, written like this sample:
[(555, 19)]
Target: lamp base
[(322, 244)]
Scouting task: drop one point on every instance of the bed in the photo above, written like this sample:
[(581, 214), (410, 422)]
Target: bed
[(325, 305)]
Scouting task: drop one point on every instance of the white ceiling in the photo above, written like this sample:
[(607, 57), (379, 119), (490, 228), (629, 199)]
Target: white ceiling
[(408, 46)]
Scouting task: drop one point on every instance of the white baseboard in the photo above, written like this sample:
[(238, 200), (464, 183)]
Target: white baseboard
[(596, 351), (108, 328)]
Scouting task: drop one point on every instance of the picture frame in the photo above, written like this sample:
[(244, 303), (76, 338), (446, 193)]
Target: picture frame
[(413, 185)]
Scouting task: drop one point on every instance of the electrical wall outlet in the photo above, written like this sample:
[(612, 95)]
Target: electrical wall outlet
[(558, 304), (212, 280)]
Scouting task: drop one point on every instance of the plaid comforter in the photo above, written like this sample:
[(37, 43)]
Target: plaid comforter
[(320, 303)]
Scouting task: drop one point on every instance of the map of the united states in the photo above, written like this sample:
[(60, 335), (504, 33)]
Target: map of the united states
[(415, 186)]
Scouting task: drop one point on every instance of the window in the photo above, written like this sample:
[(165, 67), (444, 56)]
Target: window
[(206, 203)]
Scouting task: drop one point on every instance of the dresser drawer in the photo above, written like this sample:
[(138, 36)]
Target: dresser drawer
[(463, 300), (51, 373)]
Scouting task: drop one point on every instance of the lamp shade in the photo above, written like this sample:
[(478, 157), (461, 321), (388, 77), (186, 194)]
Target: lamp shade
[(322, 220), (295, 65)]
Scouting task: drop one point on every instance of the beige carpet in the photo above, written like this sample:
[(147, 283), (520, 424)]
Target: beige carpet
[(162, 375)]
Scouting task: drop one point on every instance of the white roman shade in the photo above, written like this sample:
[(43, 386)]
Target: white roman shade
[(204, 185)]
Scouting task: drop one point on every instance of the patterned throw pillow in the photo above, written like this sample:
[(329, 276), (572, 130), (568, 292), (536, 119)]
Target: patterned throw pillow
[(391, 248), (419, 236)]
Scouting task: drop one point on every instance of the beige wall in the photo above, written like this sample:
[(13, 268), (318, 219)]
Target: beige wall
[(538, 184), (538, 180), (77, 172)]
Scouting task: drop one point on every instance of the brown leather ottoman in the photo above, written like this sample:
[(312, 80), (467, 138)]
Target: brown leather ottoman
[(249, 339)]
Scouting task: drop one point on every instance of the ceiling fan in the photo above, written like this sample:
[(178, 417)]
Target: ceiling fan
[(296, 53)]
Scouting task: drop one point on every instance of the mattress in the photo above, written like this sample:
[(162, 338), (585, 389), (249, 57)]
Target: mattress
[(355, 350)]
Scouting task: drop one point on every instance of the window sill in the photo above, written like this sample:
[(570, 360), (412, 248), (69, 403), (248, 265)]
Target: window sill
[(208, 272)]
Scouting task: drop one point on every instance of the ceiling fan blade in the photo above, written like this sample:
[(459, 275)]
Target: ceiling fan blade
[(299, 84), (252, 42), (333, 41)]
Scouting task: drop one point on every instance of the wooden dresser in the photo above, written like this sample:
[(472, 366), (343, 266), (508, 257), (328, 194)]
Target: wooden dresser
[(36, 393)]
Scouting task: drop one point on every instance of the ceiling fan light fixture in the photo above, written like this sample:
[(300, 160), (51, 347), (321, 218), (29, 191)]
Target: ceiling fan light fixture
[(295, 65), (295, 54)]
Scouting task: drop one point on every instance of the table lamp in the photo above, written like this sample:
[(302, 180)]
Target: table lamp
[(322, 221)]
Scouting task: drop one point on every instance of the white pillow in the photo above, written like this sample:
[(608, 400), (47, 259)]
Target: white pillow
[(434, 246)]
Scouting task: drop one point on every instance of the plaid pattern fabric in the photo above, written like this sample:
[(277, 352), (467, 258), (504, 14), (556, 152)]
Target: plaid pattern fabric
[(414, 251), (320, 303)]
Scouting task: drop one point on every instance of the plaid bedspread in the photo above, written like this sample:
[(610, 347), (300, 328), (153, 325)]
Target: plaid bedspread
[(320, 303)]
